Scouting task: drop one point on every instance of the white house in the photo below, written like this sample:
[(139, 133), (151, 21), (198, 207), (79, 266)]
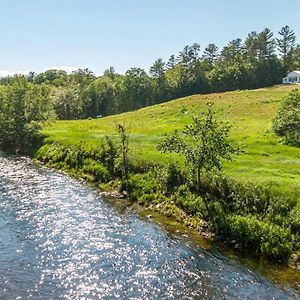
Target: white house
[(293, 77)]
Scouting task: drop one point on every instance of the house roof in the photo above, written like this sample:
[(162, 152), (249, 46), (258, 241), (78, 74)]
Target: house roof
[(294, 73)]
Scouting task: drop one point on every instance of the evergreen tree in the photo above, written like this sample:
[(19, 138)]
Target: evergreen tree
[(266, 44), (251, 46), (211, 53), (157, 70), (171, 62), (286, 46)]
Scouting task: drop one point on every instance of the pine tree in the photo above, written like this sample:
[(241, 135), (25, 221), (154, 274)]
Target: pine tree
[(286, 46)]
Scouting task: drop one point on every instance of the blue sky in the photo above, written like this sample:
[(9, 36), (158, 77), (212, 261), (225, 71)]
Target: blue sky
[(41, 34)]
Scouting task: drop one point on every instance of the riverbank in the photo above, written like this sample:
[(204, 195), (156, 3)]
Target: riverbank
[(254, 204), (260, 219), (182, 227), (59, 238)]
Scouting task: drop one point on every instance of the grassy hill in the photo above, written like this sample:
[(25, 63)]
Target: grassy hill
[(250, 113)]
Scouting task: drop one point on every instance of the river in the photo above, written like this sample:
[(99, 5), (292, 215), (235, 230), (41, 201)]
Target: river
[(60, 239)]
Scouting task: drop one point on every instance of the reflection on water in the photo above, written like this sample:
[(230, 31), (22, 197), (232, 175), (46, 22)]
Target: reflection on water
[(59, 239)]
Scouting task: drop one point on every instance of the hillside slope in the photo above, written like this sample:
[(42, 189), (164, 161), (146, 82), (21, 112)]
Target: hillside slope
[(250, 112)]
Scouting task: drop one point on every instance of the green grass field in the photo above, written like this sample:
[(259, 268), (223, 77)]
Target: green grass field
[(250, 112)]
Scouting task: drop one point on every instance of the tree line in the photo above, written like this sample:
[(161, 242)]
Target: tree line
[(260, 60), (257, 61)]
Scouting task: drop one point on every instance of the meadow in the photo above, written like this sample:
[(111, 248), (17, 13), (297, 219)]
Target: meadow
[(265, 159)]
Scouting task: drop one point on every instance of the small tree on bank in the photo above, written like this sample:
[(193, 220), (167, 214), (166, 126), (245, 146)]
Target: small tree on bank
[(287, 121), (203, 144), (124, 155)]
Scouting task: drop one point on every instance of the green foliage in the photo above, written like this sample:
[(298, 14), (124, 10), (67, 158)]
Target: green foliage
[(170, 178), (258, 215), (96, 169), (110, 155), (33, 138), (269, 239), (54, 77), (255, 217), (190, 202), (286, 45), (264, 160), (276, 241), (142, 187), (102, 96), (287, 122), (247, 64), (67, 103), (203, 145), (138, 89), (21, 106), (123, 148)]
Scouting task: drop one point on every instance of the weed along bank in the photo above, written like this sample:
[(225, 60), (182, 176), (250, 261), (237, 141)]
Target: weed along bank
[(247, 201)]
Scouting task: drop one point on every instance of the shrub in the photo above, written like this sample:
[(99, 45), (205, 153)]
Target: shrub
[(246, 230), (32, 136), (142, 187), (189, 202), (295, 220), (170, 178), (269, 239), (276, 241), (96, 169), (287, 122)]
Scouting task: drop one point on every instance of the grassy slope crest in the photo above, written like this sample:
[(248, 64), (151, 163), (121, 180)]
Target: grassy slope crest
[(265, 159)]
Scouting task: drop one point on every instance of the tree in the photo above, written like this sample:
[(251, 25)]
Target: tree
[(265, 44), (233, 52), (171, 62), (251, 46), (31, 75), (188, 56), (287, 121), (203, 144), (82, 77), (211, 53), (286, 45), (110, 72), (138, 89), (53, 77), (21, 105), (124, 155), (157, 70), (296, 58), (101, 97), (38, 104), (67, 103)]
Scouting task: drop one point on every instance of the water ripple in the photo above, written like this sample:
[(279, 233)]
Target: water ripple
[(59, 239)]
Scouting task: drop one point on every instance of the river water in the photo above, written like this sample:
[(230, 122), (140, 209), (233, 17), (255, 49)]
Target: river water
[(60, 239)]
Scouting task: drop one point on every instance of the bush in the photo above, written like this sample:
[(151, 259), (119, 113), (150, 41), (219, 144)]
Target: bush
[(170, 178), (142, 187), (97, 170), (269, 239), (189, 202), (33, 139), (287, 122), (276, 241), (246, 230)]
